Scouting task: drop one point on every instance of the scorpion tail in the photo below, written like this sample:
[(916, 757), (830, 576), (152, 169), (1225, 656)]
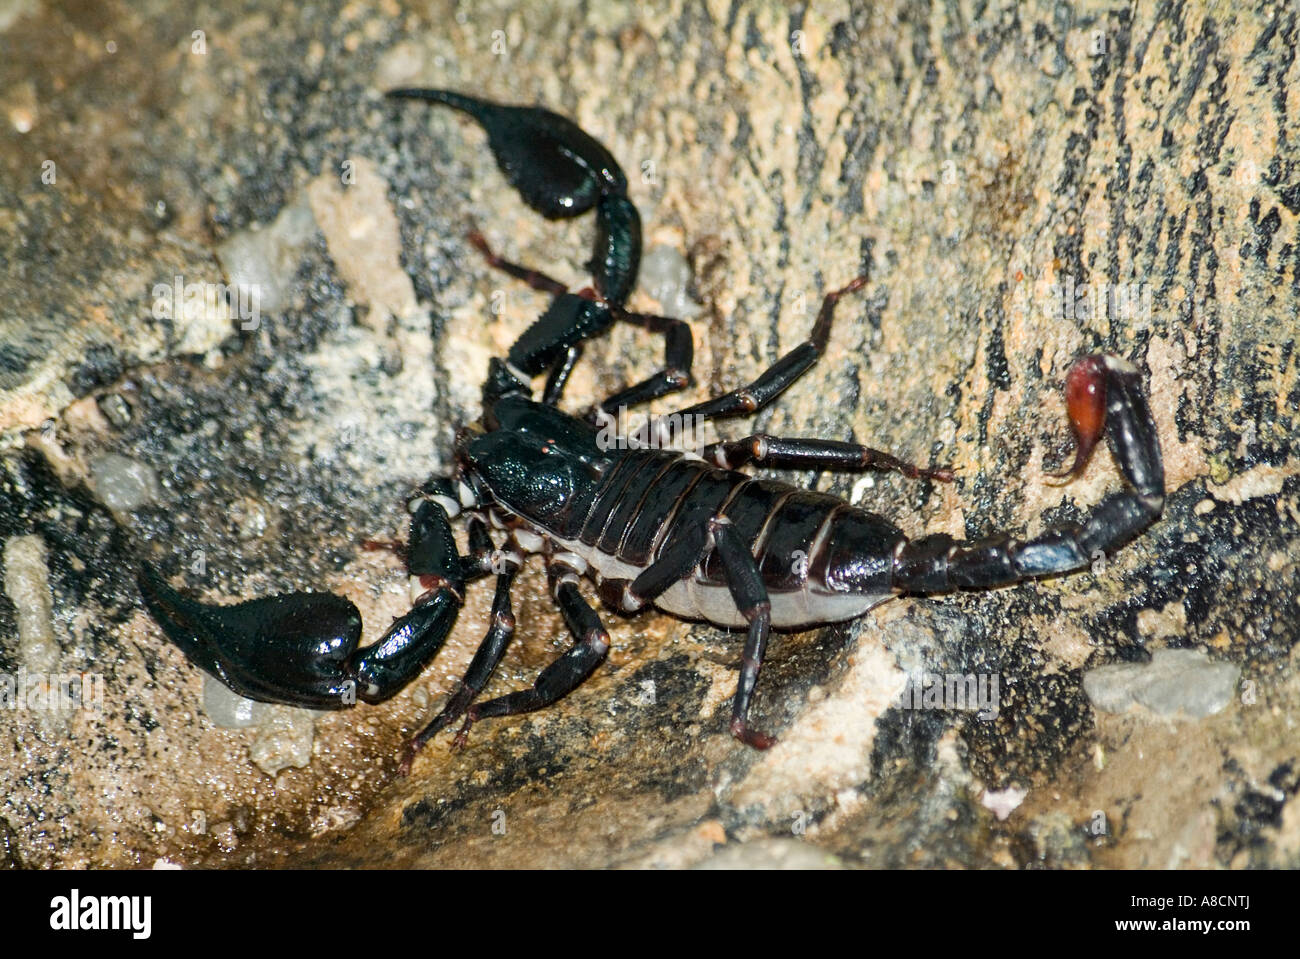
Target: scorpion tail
[(1103, 394), (300, 649)]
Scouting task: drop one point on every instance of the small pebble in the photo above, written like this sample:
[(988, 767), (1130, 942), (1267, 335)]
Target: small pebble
[(284, 739), (115, 409), (124, 484), (1176, 680), (666, 276)]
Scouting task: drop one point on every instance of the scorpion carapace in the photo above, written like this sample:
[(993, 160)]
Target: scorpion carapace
[(686, 533)]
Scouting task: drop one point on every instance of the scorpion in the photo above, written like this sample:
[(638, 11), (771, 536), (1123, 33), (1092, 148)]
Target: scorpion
[(687, 533)]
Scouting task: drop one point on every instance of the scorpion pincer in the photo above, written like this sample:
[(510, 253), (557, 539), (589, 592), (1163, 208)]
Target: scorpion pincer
[(688, 534)]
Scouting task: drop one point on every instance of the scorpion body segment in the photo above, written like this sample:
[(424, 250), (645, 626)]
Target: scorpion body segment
[(689, 534)]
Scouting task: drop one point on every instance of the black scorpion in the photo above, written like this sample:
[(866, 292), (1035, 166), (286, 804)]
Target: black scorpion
[(688, 534)]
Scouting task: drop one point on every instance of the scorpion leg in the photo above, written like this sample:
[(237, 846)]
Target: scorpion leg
[(567, 672), (778, 453), (679, 354), (750, 597), (536, 279), (301, 648), (480, 669), (680, 560), (1103, 393), (549, 342), (554, 340), (770, 385)]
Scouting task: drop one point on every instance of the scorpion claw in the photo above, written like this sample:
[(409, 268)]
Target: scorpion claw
[(300, 649), (292, 648), (559, 170)]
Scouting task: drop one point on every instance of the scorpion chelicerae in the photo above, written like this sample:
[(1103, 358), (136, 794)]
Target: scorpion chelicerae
[(686, 533)]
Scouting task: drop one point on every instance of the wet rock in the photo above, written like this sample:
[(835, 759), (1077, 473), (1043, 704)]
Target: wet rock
[(261, 263), (1015, 197), (284, 739), (10, 856)]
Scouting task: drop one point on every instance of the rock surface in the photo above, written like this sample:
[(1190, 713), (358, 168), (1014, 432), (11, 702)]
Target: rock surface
[(1022, 185)]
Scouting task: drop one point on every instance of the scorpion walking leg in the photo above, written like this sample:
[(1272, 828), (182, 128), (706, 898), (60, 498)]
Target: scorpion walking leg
[(750, 597), (480, 669), (770, 385), (535, 278), (576, 317), (678, 561), (679, 355), (778, 453), (480, 561), (567, 672), (1103, 393), (554, 340)]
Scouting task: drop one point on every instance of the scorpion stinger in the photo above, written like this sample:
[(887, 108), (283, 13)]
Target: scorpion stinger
[(1103, 393), (562, 172)]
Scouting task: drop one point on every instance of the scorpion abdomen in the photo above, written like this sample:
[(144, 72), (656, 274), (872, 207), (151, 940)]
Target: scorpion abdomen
[(820, 559)]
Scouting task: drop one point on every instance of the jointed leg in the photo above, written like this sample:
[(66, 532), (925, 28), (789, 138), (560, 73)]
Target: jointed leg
[(485, 661), (750, 597), (567, 672), (679, 354), (761, 392), (678, 561), (779, 453), (534, 278)]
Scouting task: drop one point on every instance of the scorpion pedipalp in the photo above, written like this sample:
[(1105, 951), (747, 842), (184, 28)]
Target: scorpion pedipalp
[(561, 172), (301, 648)]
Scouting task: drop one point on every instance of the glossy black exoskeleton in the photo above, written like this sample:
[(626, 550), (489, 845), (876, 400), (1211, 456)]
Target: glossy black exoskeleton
[(687, 533)]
